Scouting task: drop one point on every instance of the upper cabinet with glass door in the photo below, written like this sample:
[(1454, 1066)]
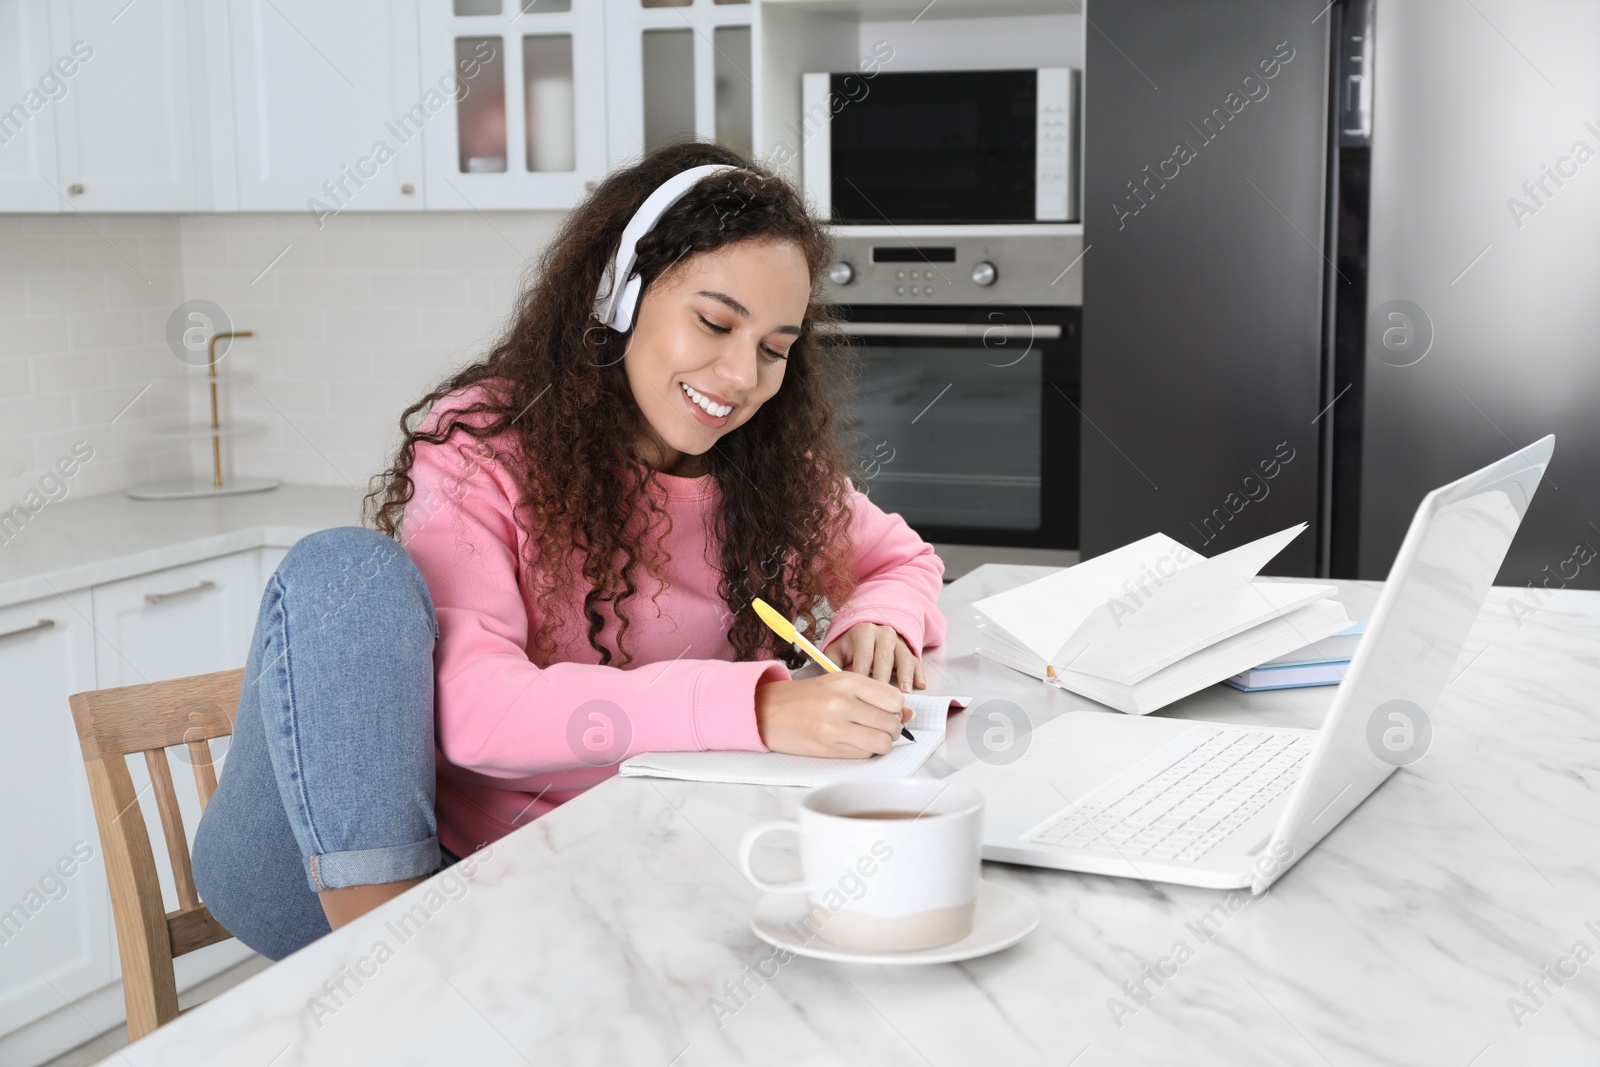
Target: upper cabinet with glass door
[(524, 126), (680, 69)]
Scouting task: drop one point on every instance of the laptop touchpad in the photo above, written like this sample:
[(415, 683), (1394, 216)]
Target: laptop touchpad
[(1066, 758)]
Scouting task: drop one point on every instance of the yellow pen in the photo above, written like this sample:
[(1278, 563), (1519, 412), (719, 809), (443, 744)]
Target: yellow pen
[(785, 629)]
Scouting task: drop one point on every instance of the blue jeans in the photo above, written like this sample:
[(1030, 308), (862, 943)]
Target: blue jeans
[(329, 779)]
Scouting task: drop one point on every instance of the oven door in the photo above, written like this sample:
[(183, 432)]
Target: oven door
[(935, 147), (967, 420)]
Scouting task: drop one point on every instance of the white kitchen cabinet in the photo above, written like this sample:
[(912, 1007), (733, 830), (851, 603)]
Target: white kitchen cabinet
[(56, 940), (678, 71), (328, 114), (126, 127), (522, 121), (267, 560), (59, 967), (29, 82), (185, 620), (50, 576)]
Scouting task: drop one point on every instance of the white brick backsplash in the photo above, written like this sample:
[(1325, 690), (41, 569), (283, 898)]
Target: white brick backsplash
[(13, 295), (51, 294)]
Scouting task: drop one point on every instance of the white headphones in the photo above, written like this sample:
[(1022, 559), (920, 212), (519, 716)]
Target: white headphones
[(615, 305)]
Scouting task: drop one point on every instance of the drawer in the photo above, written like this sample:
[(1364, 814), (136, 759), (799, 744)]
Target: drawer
[(185, 620)]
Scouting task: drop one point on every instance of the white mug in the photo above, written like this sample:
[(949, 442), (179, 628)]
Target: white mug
[(887, 865)]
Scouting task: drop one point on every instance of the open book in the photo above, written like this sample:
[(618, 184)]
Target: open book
[(1154, 621), (902, 760)]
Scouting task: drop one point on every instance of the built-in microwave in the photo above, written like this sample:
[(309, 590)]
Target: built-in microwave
[(960, 146)]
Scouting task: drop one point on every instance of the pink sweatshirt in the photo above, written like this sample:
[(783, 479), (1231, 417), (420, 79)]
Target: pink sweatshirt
[(515, 737)]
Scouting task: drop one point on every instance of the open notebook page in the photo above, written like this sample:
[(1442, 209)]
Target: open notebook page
[(927, 725), (1044, 614)]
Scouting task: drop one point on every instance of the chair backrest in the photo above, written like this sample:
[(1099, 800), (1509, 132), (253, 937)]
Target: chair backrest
[(112, 725)]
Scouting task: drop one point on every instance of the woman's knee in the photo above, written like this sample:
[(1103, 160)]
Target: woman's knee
[(247, 876), (351, 569)]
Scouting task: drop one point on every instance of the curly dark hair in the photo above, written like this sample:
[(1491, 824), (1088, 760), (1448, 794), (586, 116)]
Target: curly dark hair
[(784, 532)]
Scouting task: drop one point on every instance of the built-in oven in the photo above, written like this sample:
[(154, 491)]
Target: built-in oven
[(965, 416), (947, 146)]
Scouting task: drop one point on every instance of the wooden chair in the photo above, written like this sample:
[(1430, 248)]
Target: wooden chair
[(112, 725)]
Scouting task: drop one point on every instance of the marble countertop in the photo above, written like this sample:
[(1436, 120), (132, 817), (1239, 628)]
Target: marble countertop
[(603, 932), (77, 543)]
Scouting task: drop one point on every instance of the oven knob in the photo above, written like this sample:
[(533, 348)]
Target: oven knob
[(841, 273), (984, 273)]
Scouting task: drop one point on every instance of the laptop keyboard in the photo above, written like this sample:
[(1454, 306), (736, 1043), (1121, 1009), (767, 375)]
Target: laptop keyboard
[(1186, 810)]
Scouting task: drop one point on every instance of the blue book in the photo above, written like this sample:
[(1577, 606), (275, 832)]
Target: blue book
[(1323, 663)]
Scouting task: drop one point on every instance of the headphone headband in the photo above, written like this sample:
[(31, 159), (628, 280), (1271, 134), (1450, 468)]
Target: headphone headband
[(615, 304)]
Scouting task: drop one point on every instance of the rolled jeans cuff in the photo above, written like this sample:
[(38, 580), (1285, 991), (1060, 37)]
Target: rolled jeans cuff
[(369, 866)]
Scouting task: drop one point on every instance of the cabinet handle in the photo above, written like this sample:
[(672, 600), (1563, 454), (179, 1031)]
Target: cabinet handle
[(42, 624), (156, 598), (75, 189), (590, 187), (407, 189)]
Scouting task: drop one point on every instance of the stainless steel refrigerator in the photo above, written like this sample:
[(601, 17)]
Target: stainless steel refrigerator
[(1336, 256)]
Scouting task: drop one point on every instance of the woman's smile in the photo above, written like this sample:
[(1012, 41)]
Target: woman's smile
[(711, 345), (713, 410)]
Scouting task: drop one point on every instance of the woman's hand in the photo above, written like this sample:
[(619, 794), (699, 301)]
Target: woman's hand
[(844, 715), (875, 650)]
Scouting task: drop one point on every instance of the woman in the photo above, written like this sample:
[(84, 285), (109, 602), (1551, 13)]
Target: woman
[(585, 517)]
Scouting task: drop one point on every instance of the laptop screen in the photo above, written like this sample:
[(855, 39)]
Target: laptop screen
[(1382, 715)]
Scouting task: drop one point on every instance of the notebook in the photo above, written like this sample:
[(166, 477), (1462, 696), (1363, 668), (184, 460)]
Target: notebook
[(1321, 664), (1151, 622), (1193, 673), (902, 760), (1299, 676)]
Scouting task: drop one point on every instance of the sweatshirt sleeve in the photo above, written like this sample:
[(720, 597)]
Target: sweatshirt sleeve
[(500, 714), (900, 578)]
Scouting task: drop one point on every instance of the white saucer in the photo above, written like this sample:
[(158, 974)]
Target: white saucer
[(1003, 918)]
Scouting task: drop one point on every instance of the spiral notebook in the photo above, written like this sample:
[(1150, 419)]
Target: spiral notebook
[(904, 759)]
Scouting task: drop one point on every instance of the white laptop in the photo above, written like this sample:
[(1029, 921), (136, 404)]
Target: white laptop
[(1227, 806)]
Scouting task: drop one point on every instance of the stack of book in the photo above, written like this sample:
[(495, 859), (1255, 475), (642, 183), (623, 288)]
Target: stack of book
[(1322, 663), (1154, 621)]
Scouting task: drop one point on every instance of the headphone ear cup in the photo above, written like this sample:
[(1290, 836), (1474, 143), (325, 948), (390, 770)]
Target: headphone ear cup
[(628, 306)]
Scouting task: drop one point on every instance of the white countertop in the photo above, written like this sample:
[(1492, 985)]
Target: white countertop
[(78, 543), (601, 932)]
